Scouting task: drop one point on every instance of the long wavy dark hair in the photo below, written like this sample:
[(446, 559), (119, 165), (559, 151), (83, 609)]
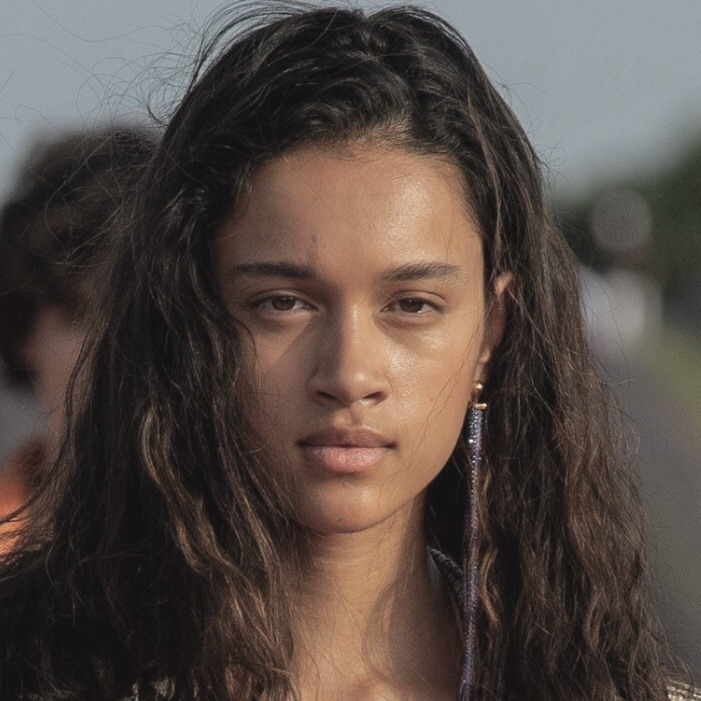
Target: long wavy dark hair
[(161, 546)]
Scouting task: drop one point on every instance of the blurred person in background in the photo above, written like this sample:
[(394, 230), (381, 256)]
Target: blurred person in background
[(54, 230)]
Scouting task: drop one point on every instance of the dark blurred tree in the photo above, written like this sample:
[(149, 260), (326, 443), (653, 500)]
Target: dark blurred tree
[(573, 219), (674, 197)]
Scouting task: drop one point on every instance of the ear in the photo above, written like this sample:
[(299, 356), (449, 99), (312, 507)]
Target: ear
[(495, 323)]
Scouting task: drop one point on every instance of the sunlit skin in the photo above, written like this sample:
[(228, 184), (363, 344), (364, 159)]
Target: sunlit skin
[(359, 274)]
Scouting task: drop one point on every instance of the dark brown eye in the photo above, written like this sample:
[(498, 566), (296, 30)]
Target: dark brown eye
[(412, 306), (283, 304)]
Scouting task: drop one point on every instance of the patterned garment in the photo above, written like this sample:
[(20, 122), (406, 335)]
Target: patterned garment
[(681, 692)]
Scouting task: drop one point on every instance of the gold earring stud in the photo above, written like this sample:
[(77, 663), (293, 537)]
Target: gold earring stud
[(476, 392)]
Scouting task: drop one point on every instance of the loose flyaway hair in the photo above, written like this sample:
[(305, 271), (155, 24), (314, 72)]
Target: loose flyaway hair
[(160, 547)]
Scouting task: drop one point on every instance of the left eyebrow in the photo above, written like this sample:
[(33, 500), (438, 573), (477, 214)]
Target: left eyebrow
[(422, 271)]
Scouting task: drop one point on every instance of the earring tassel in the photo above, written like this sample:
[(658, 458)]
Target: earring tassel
[(475, 420)]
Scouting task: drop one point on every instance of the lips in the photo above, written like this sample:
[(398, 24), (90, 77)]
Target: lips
[(346, 450)]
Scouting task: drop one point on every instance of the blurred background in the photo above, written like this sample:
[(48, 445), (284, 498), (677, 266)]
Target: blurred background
[(609, 93)]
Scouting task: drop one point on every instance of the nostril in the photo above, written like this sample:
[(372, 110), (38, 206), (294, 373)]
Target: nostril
[(347, 396), (326, 395)]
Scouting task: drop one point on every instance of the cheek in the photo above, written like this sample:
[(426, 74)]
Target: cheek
[(436, 400), (278, 382), (441, 370)]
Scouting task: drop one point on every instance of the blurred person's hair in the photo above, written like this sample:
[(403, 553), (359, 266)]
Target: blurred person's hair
[(54, 229)]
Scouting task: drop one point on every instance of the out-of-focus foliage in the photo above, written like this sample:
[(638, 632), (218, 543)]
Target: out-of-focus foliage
[(675, 199), (673, 252)]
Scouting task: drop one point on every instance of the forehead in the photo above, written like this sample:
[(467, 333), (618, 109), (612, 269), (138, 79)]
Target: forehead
[(364, 204)]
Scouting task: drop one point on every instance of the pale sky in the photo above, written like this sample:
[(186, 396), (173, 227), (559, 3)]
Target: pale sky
[(600, 85)]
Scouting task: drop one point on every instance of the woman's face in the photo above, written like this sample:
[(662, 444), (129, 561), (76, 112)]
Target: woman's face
[(359, 273), (51, 352)]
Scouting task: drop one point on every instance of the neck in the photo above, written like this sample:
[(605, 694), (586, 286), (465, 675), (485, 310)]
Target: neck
[(373, 617)]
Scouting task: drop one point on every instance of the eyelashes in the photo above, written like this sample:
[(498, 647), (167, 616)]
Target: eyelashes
[(414, 306), (280, 304), (288, 304)]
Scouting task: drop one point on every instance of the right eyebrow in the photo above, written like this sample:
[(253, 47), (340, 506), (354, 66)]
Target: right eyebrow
[(272, 269)]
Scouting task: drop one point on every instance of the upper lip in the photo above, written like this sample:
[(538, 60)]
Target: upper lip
[(358, 437)]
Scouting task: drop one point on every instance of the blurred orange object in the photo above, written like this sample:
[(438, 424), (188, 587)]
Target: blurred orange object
[(17, 476)]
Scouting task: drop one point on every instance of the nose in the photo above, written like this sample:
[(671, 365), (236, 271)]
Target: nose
[(349, 363)]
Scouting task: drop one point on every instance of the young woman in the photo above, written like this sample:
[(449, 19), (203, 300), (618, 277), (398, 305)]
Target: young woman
[(53, 229), (337, 257)]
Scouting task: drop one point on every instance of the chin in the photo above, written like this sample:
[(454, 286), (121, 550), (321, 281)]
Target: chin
[(346, 511)]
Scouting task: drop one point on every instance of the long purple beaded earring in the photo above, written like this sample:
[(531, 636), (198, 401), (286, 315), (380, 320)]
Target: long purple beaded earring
[(475, 421)]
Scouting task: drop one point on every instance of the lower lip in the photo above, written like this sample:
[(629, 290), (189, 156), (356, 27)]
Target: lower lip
[(346, 460)]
